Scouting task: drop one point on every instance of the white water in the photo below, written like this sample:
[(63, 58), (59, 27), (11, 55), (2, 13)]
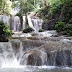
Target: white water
[(30, 23), (14, 22), (37, 23), (39, 34), (15, 51), (5, 19), (14, 55)]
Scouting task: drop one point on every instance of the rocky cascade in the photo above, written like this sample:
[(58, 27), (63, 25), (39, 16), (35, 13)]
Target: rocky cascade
[(36, 53)]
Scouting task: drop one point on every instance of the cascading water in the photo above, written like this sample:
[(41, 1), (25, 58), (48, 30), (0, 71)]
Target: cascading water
[(37, 23), (14, 22), (19, 53), (30, 23), (5, 19), (34, 54), (24, 22), (11, 53), (7, 56)]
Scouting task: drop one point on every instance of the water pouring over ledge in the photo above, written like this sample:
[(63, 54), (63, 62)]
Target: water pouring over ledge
[(15, 25), (27, 55), (35, 56)]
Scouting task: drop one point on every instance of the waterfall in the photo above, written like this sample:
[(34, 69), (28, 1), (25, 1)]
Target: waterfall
[(37, 23), (24, 22), (5, 19), (6, 54), (12, 52), (30, 23), (18, 52), (14, 22)]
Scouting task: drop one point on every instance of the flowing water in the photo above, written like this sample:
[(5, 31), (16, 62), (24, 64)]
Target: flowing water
[(23, 55), (15, 25), (34, 52)]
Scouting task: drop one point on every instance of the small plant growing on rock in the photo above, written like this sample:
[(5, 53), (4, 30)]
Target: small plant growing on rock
[(28, 30), (60, 26), (40, 30)]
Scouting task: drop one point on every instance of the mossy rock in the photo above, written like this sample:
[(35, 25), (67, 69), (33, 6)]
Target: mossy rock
[(40, 30), (28, 30)]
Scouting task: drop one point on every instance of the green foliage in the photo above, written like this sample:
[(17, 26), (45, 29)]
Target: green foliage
[(59, 9), (5, 7), (40, 30), (28, 30), (43, 13), (67, 10), (4, 31), (62, 27), (56, 9), (68, 29), (70, 21), (19, 15), (51, 11), (26, 6)]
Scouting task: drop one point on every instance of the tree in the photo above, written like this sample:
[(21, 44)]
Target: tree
[(5, 7), (25, 6)]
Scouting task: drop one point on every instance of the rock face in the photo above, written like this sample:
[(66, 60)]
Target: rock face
[(49, 25)]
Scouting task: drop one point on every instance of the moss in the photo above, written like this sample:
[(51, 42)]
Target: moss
[(28, 30), (40, 30), (64, 28)]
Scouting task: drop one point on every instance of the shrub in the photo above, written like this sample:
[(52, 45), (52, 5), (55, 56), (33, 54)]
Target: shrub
[(28, 30), (40, 30), (70, 21), (5, 32), (67, 28), (60, 26)]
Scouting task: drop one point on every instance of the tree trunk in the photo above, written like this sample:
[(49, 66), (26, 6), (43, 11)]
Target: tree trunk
[(27, 25), (21, 22)]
